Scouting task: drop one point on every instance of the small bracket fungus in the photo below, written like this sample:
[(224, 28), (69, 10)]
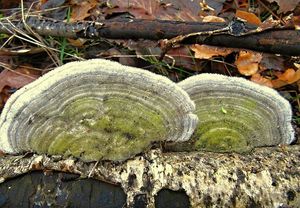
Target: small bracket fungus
[(236, 114), (96, 109)]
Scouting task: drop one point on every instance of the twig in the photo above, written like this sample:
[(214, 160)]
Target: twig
[(277, 40)]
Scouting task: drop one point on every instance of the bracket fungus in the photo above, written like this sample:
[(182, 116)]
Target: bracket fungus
[(96, 109), (236, 114)]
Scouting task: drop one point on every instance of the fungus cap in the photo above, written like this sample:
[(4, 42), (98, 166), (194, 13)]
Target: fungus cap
[(236, 114), (95, 109)]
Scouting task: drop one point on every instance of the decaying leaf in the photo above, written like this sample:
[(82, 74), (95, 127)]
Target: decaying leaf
[(14, 79), (9, 4), (53, 9), (290, 76), (182, 57), (80, 10), (213, 19), (257, 78), (214, 6), (248, 62), (77, 42), (17, 78), (272, 61), (249, 17), (152, 9), (296, 21), (207, 52), (2, 154), (285, 5)]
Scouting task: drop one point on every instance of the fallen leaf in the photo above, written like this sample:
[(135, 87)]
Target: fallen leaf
[(249, 17), (248, 62), (51, 4), (277, 83), (182, 57), (213, 19), (285, 5), (55, 6), (269, 23), (257, 78), (17, 78), (81, 10), (212, 6), (296, 22), (187, 10), (290, 76), (207, 52), (6, 5), (2, 154), (4, 95), (79, 42), (271, 61)]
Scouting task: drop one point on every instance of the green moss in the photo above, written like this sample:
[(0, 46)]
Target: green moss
[(222, 140), (114, 129), (250, 104), (235, 130)]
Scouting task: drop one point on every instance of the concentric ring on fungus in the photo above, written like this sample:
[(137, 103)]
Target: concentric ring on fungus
[(96, 109), (236, 114)]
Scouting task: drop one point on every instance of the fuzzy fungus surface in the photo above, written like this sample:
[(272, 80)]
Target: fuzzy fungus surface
[(95, 109), (236, 114)]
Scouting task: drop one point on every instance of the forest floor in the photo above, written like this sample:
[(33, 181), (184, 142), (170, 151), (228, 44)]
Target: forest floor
[(23, 58)]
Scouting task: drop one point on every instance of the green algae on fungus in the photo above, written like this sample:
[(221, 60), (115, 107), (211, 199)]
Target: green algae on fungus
[(112, 132), (236, 115), (94, 110)]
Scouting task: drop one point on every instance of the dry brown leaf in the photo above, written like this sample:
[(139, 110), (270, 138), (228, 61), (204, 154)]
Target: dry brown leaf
[(277, 83), (9, 4), (187, 10), (181, 57), (296, 22), (257, 78), (269, 23), (213, 19), (249, 17), (77, 42), (285, 5), (2, 154), (17, 78), (290, 76), (207, 52), (248, 62), (242, 4), (81, 11), (271, 61)]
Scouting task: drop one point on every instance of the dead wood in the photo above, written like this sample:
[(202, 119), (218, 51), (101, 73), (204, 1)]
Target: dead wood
[(279, 41), (268, 177)]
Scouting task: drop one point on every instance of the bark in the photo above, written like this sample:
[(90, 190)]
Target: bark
[(267, 177), (282, 41), (59, 190)]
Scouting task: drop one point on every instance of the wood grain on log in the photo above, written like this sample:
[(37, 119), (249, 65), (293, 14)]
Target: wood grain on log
[(268, 177)]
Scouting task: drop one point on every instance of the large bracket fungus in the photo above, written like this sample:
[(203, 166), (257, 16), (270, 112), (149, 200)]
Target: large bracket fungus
[(236, 114), (94, 110)]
